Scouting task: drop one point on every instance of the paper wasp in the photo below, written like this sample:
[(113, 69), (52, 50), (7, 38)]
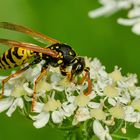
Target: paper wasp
[(57, 55)]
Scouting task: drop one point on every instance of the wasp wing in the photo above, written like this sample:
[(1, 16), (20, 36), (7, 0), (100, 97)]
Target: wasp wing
[(29, 46), (36, 35)]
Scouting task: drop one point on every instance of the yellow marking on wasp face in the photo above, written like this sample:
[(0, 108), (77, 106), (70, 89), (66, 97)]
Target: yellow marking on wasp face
[(76, 61), (57, 47), (70, 53), (59, 61), (52, 48), (60, 55)]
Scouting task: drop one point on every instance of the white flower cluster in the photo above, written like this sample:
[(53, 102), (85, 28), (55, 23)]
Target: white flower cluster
[(112, 6), (114, 97)]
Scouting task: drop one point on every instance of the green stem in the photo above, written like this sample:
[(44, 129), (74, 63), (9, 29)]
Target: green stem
[(117, 127), (120, 137), (83, 131)]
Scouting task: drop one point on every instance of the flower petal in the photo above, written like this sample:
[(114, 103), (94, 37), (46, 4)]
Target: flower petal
[(112, 101), (38, 107), (94, 105), (17, 102), (100, 132), (41, 120), (57, 116), (20, 102), (68, 109), (136, 28), (27, 89), (5, 103)]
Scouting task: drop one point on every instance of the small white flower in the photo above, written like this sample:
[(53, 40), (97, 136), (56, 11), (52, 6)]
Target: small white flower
[(136, 104), (68, 109), (116, 75), (98, 114), (18, 102), (132, 116), (11, 104), (5, 103), (14, 96), (117, 112), (41, 120), (84, 104), (51, 108), (82, 114), (111, 91)]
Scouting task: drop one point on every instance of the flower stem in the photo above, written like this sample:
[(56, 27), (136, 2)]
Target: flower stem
[(120, 137), (117, 127)]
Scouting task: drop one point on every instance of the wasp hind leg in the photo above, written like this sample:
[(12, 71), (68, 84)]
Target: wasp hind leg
[(4, 81), (87, 76)]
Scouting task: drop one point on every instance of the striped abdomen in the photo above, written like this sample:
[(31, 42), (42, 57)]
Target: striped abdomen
[(15, 57)]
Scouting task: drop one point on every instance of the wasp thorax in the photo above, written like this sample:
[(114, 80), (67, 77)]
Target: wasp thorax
[(65, 52)]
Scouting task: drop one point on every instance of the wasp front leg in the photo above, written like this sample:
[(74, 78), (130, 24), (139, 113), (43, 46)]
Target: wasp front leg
[(66, 73), (87, 76)]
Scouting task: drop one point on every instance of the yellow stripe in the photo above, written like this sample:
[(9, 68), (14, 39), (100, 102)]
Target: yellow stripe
[(23, 53), (5, 65), (18, 61), (30, 53), (8, 61)]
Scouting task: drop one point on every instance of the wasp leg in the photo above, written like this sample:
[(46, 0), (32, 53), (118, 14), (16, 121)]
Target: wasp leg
[(89, 85), (37, 60), (65, 73), (12, 76), (43, 72), (84, 78), (87, 76)]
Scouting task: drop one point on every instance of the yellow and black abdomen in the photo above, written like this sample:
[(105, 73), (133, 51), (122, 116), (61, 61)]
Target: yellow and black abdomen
[(15, 57)]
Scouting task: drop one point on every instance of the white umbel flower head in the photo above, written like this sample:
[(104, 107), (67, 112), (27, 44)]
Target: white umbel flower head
[(110, 7), (113, 97)]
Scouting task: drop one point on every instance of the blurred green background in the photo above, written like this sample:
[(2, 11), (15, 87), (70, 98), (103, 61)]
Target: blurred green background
[(68, 21)]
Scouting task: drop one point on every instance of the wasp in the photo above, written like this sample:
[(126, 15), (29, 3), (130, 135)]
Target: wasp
[(56, 54)]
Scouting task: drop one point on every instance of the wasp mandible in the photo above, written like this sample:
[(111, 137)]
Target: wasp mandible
[(57, 55)]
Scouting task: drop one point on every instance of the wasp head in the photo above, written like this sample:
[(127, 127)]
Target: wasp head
[(78, 65)]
